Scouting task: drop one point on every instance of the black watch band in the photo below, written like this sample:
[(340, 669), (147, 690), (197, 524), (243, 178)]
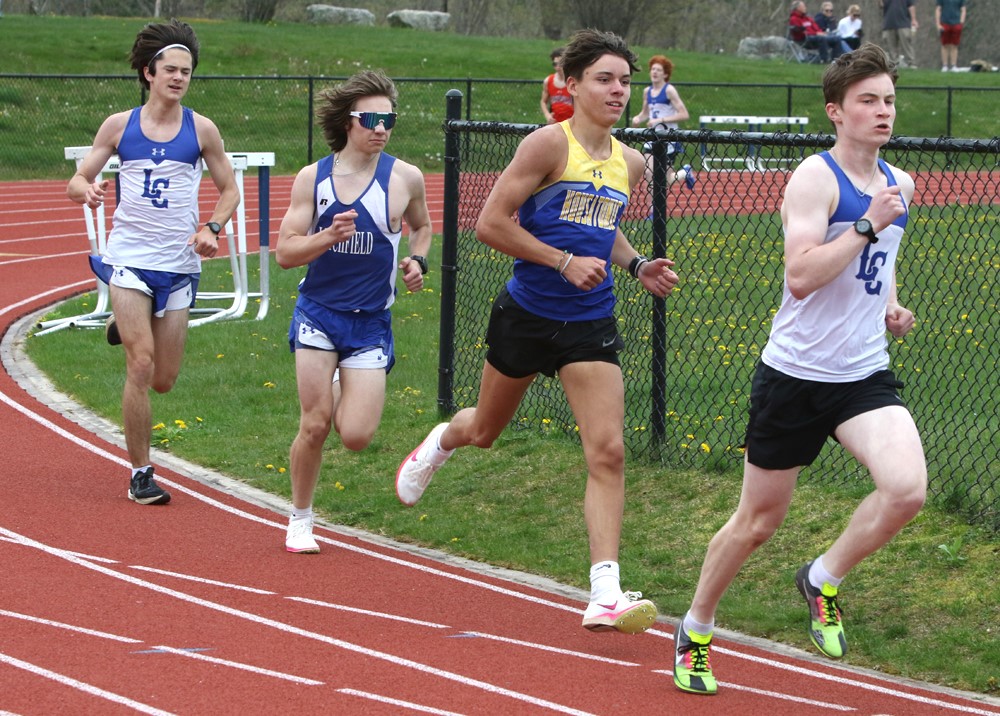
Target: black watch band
[(214, 228), (421, 262)]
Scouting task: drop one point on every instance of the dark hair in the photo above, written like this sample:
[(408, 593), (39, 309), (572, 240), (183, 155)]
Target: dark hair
[(153, 38), (850, 68), (588, 46), (336, 104), (556, 53)]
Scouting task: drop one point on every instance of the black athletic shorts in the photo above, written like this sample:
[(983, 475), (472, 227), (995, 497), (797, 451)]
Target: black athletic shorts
[(522, 343), (791, 418)]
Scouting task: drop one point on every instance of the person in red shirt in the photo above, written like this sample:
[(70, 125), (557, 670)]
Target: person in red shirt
[(557, 103), (805, 31)]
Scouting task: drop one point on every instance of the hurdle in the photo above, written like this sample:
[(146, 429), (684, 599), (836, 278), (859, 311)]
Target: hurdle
[(753, 123), (97, 232)]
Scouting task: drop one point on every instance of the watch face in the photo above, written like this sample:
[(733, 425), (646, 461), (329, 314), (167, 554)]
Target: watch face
[(863, 226), (214, 228)]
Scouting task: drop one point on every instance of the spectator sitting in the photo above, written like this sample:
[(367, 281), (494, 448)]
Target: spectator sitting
[(849, 27), (804, 30), (824, 18)]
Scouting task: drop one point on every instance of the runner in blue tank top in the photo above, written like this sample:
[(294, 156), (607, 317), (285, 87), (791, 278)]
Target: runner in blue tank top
[(569, 184), (344, 223), (824, 371), (153, 259)]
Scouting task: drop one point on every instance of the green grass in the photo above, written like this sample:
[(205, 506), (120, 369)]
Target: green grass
[(253, 81), (913, 609)]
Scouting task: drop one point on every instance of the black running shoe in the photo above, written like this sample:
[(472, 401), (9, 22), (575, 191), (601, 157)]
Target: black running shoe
[(111, 331), (144, 490)]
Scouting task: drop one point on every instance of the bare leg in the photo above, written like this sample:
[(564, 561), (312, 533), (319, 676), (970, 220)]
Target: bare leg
[(314, 374), (763, 505), (887, 443)]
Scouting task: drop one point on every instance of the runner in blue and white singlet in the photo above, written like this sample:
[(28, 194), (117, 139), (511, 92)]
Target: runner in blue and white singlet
[(817, 337), (359, 274), (158, 210)]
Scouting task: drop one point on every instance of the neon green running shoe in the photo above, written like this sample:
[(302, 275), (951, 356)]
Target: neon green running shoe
[(693, 663), (825, 627)]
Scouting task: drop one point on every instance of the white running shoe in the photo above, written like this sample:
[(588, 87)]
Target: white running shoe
[(415, 472), (299, 537), (629, 614)]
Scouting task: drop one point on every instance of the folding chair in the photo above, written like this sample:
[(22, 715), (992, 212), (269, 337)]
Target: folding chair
[(797, 51)]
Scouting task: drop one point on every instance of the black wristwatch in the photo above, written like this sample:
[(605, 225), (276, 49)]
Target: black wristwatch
[(865, 228), (214, 228), (421, 262)]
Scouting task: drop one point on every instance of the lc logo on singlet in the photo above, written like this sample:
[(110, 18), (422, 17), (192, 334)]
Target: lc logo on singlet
[(871, 261), (153, 189)]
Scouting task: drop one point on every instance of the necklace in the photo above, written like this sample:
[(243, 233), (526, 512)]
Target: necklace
[(336, 163), (861, 191)]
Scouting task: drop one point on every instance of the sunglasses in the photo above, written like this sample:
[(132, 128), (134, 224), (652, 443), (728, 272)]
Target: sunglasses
[(370, 120)]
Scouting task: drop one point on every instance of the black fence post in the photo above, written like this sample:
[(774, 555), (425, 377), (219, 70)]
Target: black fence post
[(658, 339), (449, 255)]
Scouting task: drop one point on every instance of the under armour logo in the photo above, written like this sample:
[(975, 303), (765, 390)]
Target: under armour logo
[(158, 152), (598, 174)]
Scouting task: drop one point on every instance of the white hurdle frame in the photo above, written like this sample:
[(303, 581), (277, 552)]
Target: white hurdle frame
[(97, 231), (753, 123)]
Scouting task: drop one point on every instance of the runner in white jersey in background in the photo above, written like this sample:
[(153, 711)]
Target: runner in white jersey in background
[(153, 258)]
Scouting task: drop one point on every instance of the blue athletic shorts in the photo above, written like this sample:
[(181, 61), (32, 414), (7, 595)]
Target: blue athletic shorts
[(158, 285), (364, 336)]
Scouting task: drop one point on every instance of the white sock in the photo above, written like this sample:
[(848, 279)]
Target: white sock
[(302, 513), (818, 575), (604, 581), (137, 470), (434, 453), (689, 624)]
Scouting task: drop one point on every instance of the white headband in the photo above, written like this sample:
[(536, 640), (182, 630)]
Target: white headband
[(170, 47)]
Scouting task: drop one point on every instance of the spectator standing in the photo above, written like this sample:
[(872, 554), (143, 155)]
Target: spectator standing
[(807, 33), (557, 102), (849, 28), (345, 223), (950, 18), (152, 263), (824, 371), (899, 27)]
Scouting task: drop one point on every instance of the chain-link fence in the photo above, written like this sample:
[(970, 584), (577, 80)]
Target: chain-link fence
[(689, 359), (41, 114)]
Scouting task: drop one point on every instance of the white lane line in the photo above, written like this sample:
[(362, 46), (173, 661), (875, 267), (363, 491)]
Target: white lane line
[(368, 612), (69, 627), (200, 580), (25, 302), (772, 694), (240, 666), (297, 631), (396, 702), (893, 691), (86, 688), (553, 649)]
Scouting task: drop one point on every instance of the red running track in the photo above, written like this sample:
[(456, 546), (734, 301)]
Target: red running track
[(111, 608)]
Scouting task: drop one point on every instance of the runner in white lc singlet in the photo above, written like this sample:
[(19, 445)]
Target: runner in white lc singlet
[(824, 371), (157, 240)]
